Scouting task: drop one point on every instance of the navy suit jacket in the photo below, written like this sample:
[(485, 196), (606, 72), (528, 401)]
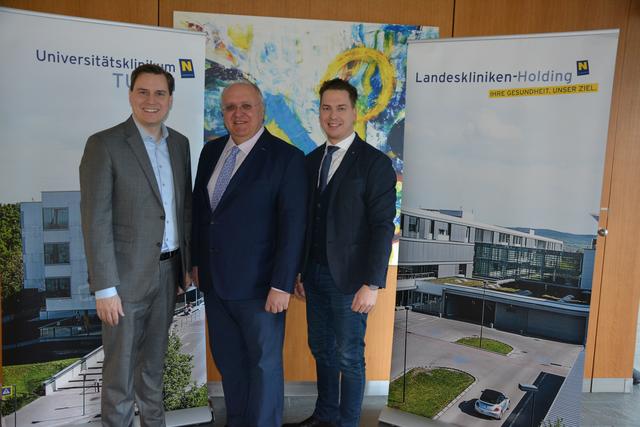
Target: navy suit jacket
[(254, 239), (362, 206)]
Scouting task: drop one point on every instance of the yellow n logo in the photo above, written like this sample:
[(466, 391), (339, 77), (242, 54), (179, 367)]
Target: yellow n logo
[(186, 68), (583, 67)]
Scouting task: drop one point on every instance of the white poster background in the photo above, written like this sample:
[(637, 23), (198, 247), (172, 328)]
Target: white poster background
[(49, 108), (526, 161)]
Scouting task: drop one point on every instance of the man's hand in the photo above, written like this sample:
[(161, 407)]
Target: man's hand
[(277, 301), (299, 288), (195, 277), (109, 310), (184, 286), (364, 300)]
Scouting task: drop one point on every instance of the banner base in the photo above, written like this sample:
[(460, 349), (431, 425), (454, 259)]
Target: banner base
[(178, 418)]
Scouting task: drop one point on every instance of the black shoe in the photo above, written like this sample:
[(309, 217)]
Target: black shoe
[(310, 422)]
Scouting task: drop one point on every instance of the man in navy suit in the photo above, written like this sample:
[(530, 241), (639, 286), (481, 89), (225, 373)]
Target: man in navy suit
[(352, 203), (249, 207)]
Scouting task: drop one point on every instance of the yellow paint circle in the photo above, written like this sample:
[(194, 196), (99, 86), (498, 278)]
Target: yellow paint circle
[(386, 69)]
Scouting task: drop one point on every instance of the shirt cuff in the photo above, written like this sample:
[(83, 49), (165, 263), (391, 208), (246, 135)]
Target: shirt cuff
[(373, 287), (279, 290), (106, 293)]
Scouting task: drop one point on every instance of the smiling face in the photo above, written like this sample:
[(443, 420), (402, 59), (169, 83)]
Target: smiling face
[(243, 111), (150, 101), (337, 115)]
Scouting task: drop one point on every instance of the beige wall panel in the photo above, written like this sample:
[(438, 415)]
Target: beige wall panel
[(617, 97), (498, 17), (614, 338), (132, 11), (424, 12), (299, 364)]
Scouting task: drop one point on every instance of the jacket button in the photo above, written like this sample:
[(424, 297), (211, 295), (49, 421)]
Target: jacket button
[(162, 217), (158, 244)]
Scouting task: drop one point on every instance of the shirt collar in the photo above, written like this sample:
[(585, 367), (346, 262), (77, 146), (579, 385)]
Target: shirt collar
[(344, 144), (147, 136), (246, 146)]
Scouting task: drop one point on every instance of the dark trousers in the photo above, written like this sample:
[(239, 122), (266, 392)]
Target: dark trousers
[(336, 340), (134, 353), (246, 344)]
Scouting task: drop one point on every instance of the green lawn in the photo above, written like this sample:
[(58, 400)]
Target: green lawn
[(487, 344), (428, 391), (28, 379)]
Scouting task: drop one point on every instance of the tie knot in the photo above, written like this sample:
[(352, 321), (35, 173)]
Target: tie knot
[(332, 149), (234, 150)]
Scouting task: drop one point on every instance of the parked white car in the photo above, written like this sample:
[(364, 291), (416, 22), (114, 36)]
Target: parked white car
[(492, 403)]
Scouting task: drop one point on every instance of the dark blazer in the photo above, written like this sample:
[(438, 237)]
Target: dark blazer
[(362, 206), (254, 238), (121, 208)]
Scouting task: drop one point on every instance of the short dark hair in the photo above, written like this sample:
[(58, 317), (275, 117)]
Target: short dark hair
[(339, 84), (152, 69)]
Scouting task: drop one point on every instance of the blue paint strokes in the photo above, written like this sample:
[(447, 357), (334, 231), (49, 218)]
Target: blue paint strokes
[(268, 50), (278, 110), (400, 29)]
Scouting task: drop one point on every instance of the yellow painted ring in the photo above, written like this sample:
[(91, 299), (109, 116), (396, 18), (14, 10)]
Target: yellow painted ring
[(387, 75)]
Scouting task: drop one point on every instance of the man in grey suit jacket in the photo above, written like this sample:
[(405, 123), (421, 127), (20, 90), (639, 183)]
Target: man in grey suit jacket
[(135, 184)]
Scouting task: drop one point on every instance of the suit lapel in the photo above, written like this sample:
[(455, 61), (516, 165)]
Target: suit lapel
[(314, 166), (250, 164), (177, 165), (346, 164), (137, 146)]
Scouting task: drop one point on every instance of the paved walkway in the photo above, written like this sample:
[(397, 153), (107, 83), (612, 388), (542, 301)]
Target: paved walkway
[(65, 407)]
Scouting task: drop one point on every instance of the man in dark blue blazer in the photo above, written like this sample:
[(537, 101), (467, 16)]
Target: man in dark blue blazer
[(249, 207), (352, 204)]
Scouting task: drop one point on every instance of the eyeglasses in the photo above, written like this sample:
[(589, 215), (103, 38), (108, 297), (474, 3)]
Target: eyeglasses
[(231, 108)]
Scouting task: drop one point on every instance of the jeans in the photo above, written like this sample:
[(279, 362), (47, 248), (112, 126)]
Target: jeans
[(336, 340)]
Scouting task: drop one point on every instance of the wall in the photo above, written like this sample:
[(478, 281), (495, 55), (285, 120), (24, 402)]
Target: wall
[(616, 288)]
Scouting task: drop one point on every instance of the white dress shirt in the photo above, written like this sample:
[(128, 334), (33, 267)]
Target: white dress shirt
[(245, 149), (338, 155)]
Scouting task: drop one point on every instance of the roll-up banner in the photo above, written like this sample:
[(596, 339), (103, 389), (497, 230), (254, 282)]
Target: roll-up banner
[(504, 153), (64, 79)]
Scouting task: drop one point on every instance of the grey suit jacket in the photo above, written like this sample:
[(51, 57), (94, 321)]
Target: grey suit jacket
[(122, 214)]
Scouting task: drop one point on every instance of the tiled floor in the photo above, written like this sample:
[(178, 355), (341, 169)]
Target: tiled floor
[(611, 409), (299, 408)]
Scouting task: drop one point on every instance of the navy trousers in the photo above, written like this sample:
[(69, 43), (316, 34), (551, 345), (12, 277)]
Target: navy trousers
[(246, 343)]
